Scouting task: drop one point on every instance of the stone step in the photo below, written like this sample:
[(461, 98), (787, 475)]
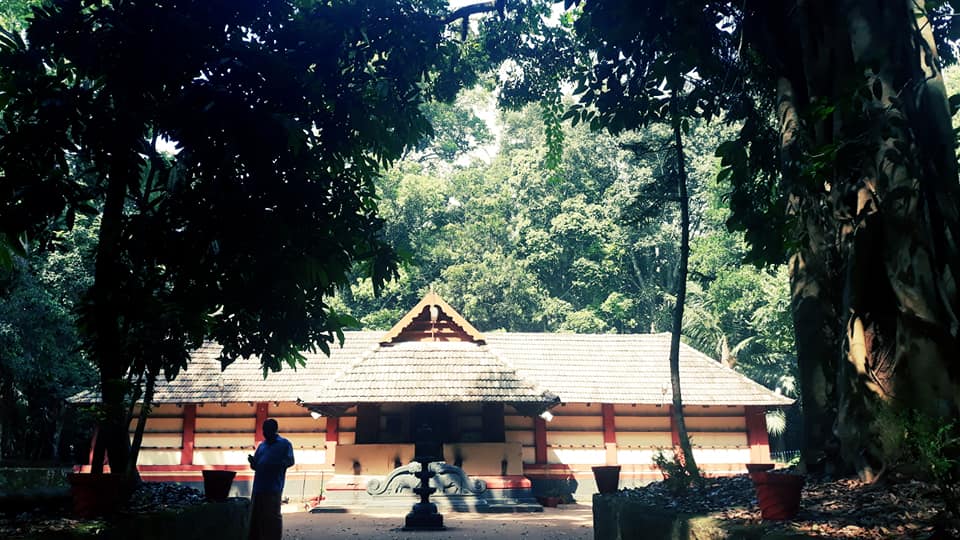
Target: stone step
[(513, 508), (444, 504)]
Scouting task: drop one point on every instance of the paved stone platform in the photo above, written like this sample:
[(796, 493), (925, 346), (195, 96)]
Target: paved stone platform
[(568, 522)]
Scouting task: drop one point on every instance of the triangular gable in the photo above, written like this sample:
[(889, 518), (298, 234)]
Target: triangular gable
[(432, 320)]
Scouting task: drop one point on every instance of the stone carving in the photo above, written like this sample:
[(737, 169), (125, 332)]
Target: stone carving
[(400, 480), (449, 480)]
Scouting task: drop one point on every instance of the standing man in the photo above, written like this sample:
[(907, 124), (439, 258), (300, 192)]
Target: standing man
[(270, 461)]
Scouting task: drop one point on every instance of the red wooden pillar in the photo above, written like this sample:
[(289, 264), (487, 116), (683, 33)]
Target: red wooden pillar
[(189, 433), (540, 440), (333, 429), (263, 410), (609, 433), (333, 437), (757, 434)]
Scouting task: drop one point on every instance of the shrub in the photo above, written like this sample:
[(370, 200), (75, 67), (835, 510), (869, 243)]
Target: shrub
[(676, 478)]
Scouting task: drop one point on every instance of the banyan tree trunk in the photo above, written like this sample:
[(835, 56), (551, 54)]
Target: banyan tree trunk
[(875, 207)]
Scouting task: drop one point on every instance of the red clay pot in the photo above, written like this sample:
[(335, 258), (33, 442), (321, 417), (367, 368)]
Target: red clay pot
[(778, 495), (759, 467), (95, 494), (549, 502), (216, 484), (607, 478)]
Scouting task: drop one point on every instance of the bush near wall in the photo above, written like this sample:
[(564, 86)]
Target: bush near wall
[(228, 520), (25, 489), (616, 517), (16, 479)]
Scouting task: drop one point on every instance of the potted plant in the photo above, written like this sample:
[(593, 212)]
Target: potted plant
[(95, 494), (759, 467), (551, 495), (778, 494), (216, 484), (607, 478)]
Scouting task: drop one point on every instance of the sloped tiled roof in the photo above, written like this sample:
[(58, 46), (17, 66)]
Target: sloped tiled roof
[(625, 368), (424, 358), (578, 368), (204, 382), (429, 371)]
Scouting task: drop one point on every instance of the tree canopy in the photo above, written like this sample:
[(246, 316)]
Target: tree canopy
[(281, 121), (844, 164), (280, 116)]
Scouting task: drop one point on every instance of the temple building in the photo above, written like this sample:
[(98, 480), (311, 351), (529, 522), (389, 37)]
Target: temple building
[(515, 410)]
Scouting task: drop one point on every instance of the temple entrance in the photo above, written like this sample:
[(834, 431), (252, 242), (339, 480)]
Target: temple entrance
[(434, 415)]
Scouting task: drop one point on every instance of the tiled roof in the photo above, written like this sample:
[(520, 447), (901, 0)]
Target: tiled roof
[(204, 382), (429, 371), (625, 368), (512, 367)]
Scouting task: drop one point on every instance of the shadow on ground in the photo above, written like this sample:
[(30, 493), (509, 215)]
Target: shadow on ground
[(567, 522)]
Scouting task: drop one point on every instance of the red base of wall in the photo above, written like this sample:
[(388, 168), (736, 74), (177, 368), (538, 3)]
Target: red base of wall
[(493, 482), (648, 472), (636, 473)]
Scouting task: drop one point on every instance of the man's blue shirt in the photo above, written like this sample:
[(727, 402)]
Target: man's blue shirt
[(270, 462)]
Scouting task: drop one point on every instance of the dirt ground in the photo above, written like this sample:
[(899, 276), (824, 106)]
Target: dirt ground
[(569, 522)]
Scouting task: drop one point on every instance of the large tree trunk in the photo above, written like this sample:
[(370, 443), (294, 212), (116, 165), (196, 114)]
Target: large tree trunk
[(812, 295), (141, 425), (8, 418), (103, 328), (878, 220), (686, 448), (56, 433), (902, 334)]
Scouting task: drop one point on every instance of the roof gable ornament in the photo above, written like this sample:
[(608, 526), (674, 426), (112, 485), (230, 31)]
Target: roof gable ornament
[(432, 319)]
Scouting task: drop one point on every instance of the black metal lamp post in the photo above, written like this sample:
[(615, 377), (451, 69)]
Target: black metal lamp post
[(424, 515)]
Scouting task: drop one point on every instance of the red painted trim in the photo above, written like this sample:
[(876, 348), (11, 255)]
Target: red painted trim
[(757, 436), (197, 469), (552, 470), (183, 468), (333, 429), (189, 433), (506, 482), (93, 445), (609, 424), (493, 482), (263, 410), (549, 467), (674, 430), (540, 440), (640, 470), (188, 478)]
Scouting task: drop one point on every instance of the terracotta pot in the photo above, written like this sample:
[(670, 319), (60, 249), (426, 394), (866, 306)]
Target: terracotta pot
[(778, 495), (759, 467), (607, 478), (549, 502), (216, 484), (95, 494)]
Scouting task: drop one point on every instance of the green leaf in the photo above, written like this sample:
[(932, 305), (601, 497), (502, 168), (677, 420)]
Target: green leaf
[(954, 104), (6, 253)]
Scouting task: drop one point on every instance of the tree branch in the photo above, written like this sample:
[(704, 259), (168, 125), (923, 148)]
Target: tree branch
[(482, 7)]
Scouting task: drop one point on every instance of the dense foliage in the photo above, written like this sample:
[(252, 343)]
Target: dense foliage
[(41, 363), (590, 246), (280, 115), (844, 164)]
